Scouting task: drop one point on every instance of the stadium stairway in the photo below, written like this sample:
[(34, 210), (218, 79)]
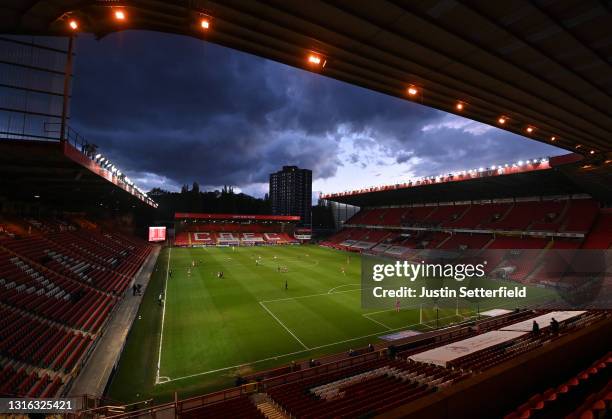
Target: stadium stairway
[(266, 405), (237, 408)]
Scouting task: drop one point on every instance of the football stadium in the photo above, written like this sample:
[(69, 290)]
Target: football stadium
[(454, 292)]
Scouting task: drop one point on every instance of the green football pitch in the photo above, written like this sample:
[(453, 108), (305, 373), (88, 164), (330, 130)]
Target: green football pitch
[(273, 305)]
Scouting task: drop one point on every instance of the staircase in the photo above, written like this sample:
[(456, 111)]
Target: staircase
[(266, 406)]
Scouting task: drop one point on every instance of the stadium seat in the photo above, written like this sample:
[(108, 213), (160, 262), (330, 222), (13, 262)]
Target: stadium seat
[(58, 287)]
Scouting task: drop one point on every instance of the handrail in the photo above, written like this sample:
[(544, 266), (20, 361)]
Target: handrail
[(110, 406), (72, 135)]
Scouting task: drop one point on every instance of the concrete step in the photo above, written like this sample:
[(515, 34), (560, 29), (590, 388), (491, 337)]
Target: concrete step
[(266, 406)]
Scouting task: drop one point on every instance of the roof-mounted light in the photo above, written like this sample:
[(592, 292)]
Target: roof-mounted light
[(119, 14)]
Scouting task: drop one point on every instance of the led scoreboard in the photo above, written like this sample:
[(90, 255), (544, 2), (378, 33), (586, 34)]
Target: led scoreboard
[(157, 234)]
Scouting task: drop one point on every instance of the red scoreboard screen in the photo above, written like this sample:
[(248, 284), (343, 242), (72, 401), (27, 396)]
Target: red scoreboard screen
[(157, 234)]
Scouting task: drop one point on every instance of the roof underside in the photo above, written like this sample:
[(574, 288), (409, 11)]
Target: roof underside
[(543, 64), (576, 178), (42, 172)]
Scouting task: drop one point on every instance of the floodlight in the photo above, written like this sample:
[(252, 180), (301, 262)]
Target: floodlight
[(314, 59)]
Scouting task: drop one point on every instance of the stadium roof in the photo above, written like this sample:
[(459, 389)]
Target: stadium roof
[(564, 175), (539, 65), (57, 174)]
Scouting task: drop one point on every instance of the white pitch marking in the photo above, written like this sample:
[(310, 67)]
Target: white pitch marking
[(161, 336), (377, 322), (290, 353), (308, 296), (283, 325), (331, 291)]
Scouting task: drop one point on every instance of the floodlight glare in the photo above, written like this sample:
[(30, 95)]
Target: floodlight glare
[(314, 59)]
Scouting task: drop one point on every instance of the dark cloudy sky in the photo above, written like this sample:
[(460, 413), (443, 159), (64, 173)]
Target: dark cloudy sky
[(169, 110)]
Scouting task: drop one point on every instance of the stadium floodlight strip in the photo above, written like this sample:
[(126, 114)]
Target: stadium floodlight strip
[(496, 169), (106, 164)]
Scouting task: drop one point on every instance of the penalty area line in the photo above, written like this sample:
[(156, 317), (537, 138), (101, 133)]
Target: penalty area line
[(377, 322), (308, 296), (276, 357), (285, 355), (331, 291), (283, 325)]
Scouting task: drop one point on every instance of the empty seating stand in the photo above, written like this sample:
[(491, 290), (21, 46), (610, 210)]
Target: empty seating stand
[(57, 290), (549, 216), (587, 395)]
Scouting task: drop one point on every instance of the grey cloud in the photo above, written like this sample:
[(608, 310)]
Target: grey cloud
[(190, 111)]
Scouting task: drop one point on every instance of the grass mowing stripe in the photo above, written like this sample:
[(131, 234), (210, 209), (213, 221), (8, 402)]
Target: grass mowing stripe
[(217, 326), (305, 350)]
